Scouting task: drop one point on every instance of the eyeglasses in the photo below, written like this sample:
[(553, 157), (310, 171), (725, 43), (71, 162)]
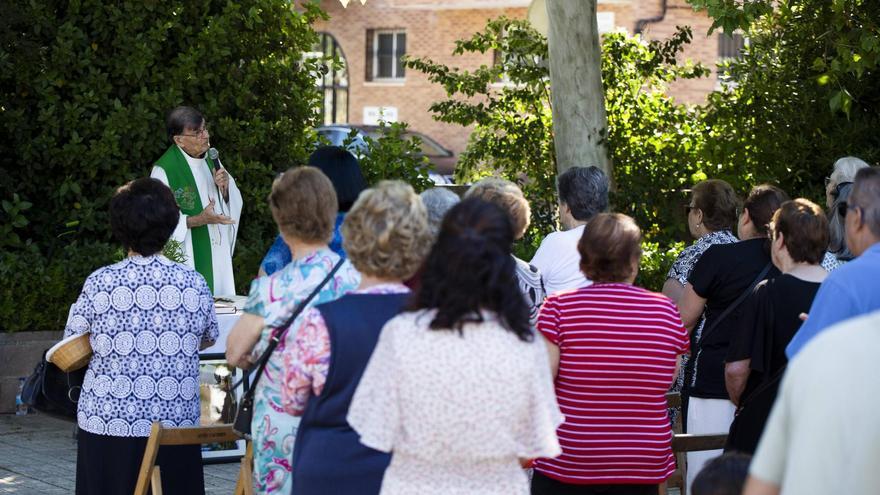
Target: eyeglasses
[(688, 208), (199, 133)]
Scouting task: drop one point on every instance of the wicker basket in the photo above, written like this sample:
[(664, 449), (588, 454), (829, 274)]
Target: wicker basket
[(71, 353)]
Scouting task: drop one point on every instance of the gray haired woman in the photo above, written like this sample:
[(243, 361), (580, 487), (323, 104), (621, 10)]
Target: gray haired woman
[(837, 190)]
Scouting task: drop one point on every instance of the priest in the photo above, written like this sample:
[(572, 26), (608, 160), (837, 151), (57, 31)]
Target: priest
[(210, 203)]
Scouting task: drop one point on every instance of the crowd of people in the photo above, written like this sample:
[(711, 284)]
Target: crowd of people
[(417, 354)]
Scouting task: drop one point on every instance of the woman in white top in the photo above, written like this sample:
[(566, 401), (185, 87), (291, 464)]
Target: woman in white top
[(459, 389)]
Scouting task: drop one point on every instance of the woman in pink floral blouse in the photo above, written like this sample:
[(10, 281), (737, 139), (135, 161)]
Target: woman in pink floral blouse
[(386, 237)]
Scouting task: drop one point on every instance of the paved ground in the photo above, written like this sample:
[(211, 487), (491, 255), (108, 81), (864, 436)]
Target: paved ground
[(38, 457)]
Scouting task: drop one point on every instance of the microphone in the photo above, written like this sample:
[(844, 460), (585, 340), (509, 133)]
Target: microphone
[(214, 155)]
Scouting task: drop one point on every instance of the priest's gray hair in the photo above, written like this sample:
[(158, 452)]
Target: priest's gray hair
[(181, 119)]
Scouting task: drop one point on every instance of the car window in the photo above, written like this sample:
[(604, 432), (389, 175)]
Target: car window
[(429, 147)]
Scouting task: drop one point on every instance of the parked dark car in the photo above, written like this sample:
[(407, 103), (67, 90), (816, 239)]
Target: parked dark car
[(441, 158)]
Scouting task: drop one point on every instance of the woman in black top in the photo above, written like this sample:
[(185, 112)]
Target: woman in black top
[(721, 276), (756, 359)]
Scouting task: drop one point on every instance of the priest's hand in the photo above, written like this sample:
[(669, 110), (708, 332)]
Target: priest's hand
[(221, 178), (208, 217)]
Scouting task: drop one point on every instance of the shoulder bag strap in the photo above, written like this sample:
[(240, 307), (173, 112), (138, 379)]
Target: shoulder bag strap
[(280, 331), (742, 297)]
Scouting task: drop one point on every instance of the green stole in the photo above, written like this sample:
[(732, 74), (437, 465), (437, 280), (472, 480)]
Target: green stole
[(183, 185)]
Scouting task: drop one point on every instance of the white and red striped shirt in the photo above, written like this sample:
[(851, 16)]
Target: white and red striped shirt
[(618, 347)]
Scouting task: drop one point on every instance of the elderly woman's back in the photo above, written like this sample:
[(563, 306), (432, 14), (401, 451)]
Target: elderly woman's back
[(616, 347), (147, 318)]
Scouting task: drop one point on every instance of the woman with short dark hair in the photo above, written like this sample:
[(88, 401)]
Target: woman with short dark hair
[(458, 389), (711, 218), (771, 316), (147, 317), (614, 350)]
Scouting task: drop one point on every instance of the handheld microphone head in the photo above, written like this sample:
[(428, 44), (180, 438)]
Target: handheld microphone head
[(213, 154)]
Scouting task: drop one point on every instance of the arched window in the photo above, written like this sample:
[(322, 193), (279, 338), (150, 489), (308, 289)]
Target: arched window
[(333, 86)]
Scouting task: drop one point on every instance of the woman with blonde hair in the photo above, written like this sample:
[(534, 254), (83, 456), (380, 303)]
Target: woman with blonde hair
[(304, 205), (511, 199), (386, 237)]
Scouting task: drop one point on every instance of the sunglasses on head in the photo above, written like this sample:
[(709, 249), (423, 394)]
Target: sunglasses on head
[(836, 192)]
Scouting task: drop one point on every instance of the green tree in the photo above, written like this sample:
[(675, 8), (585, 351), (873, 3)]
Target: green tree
[(807, 91), (654, 143), (85, 86)]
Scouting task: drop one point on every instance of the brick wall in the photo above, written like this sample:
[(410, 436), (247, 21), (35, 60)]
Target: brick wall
[(703, 48), (429, 33), (432, 33)]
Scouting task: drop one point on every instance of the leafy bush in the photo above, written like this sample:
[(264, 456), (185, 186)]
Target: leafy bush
[(655, 144), (392, 156), (85, 86), (807, 91), (37, 289)]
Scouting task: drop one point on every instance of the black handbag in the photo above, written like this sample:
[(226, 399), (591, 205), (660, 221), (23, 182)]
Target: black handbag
[(52, 391), (245, 414)]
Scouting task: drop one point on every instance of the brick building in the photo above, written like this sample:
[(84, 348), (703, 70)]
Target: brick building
[(372, 37)]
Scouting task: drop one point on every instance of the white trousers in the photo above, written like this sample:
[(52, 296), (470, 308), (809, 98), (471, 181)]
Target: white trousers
[(706, 416)]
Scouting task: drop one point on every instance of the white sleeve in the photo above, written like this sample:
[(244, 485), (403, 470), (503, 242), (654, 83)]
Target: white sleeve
[(180, 231), (235, 206), (543, 259)]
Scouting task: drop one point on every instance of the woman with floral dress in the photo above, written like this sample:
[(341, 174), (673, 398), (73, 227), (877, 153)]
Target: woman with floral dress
[(386, 237), (303, 204)]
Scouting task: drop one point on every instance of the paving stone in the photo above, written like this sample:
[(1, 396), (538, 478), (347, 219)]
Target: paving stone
[(38, 457)]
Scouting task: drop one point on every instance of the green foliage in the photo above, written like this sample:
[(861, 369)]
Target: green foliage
[(39, 288), (835, 44), (13, 219), (392, 155), (513, 134), (85, 86), (656, 260), (654, 143), (807, 93)]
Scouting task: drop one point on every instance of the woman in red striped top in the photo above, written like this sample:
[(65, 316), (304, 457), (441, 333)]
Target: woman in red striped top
[(615, 349)]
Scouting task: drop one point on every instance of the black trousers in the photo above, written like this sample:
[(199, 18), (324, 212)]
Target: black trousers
[(107, 465), (544, 485)]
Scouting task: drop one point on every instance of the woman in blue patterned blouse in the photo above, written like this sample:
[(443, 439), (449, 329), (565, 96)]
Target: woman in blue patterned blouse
[(147, 318)]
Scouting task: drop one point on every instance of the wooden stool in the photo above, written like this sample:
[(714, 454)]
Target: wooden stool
[(150, 476)]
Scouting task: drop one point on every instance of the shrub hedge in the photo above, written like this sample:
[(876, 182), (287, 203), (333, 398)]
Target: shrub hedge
[(84, 89)]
